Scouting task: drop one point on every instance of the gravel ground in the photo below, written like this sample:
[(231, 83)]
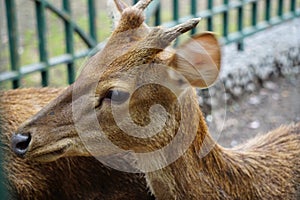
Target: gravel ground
[(269, 107)]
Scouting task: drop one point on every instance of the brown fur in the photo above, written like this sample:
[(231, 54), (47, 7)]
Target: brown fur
[(268, 167), (265, 168), (66, 178)]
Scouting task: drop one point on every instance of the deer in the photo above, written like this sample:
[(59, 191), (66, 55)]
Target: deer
[(66, 178), (136, 100)]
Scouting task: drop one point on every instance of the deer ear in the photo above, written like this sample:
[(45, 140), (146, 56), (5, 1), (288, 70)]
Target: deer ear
[(198, 60)]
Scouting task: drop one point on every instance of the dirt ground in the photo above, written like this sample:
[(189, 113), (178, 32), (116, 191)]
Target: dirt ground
[(276, 103)]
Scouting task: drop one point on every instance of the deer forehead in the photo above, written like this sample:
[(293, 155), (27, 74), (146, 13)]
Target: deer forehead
[(119, 68)]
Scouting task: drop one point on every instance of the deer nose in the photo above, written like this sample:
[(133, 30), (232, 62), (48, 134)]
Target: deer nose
[(20, 143)]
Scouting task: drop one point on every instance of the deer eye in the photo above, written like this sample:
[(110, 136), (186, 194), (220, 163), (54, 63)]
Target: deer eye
[(117, 96)]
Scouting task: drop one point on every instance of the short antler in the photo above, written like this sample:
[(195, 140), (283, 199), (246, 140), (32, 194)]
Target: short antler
[(120, 5), (174, 32), (131, 17), (162, 37), (141, 5), (156, 41)]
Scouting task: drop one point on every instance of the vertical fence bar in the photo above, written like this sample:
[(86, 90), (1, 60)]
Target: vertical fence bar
[(293, 6), (225, 19), (280, 8), (92, 19), (42, 32), (210, 4), (268, 10), (176, 15), (11, 15), (254, 14), (158, 15), (240, 26), (175, 10), (194, 13), (69, 40)]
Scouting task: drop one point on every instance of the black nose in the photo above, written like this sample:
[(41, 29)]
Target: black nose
[(20, 143)]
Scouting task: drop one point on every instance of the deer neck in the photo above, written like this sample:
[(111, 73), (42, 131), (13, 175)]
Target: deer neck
[(203, 163)]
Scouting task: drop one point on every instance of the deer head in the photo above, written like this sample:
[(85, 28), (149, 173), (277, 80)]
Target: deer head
[(129, 96)]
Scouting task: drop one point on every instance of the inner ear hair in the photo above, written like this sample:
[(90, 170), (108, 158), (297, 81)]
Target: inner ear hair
[(198, 59)]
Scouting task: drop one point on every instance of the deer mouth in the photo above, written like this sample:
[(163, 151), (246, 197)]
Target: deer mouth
[(53, 151)]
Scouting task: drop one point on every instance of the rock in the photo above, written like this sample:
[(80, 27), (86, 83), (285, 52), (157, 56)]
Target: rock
[(285, 94), (270, 85), (275, 96), (254, 100), (250, 87), (209, 118), (237, 91), (254, 125), (233, 143)]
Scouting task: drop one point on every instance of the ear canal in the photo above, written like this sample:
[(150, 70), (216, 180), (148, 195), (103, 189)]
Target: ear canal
[(199, 60)]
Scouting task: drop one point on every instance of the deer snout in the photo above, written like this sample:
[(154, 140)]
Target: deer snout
[(20, 143)]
